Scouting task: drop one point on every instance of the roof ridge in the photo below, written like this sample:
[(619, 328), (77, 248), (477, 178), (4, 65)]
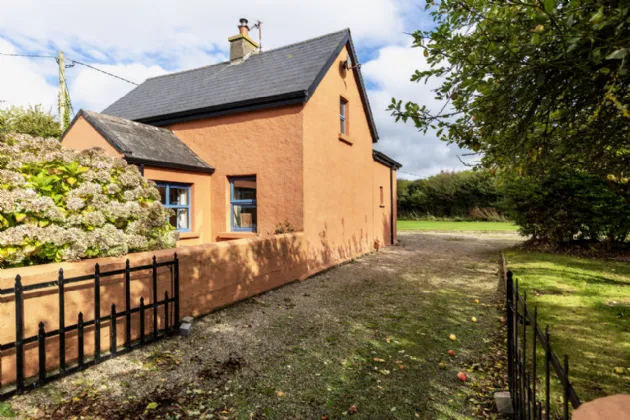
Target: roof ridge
[(307, 40), (97, 115), (256, 55)]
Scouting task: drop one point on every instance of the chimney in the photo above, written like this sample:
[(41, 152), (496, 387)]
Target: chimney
[(241, 46)]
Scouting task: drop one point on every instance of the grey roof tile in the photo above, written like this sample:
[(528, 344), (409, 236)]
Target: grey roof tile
[(142, 143), (292, 70)]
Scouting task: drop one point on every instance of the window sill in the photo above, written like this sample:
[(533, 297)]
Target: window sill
[(188, 235), (344, 138), (237, 235)]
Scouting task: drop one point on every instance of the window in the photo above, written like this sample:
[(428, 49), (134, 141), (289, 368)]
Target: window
[(343, 116), (243, 204), (176, 197), (382, 197)]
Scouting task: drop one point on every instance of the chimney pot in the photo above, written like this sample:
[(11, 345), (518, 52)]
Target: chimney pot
[(243, 28), (241, 46)]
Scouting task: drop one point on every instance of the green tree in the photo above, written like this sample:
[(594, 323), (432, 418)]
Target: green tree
[(564, 205), (33, 121), (530, 84), (466, 194)]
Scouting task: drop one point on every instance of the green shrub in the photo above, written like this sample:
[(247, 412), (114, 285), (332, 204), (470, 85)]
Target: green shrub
[(58, 204), (450, 195), (562, 206), (33, 121)]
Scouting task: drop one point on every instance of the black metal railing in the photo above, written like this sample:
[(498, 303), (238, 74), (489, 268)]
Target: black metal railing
[(529, 400), (43, 376)]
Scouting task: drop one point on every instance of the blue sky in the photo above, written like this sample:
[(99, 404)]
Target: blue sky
[(139, 39)]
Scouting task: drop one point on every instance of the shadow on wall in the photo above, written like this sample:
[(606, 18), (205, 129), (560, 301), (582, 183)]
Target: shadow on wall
[(211, 276)]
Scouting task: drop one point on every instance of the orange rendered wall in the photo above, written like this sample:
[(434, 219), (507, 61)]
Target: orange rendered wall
[(83, 136), (382, 212), (211, 276), (265, 143), (338, 175)]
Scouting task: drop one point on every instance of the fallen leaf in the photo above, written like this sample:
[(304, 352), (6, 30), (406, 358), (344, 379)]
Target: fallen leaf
[(280, 394), (352, 409), (151, 406)]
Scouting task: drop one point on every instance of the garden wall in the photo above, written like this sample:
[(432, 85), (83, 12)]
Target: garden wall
[(211, 276)]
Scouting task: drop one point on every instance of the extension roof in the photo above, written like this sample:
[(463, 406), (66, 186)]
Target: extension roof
[(144, 144), (282, 76), (383, 159)]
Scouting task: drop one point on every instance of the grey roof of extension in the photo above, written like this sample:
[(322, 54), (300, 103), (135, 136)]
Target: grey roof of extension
[(278, 77), (145, 144)]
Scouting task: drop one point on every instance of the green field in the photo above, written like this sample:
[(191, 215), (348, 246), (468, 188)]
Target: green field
[(586, 303), (456, 226)]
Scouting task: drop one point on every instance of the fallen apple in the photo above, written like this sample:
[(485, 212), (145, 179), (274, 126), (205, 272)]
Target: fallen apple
[(462, 376), (451, 352), (473, 319), (452, 337), (476, 301), (442, 365)]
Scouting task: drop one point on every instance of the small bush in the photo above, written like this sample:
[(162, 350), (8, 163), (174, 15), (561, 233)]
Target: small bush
[(562, 206), (58, 204), (284, 227)]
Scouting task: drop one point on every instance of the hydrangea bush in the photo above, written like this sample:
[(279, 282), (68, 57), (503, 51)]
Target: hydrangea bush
[(58, 204)]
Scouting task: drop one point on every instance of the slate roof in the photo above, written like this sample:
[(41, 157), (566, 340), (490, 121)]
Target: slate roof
[(145, 144), (277, 77), (383, 159)]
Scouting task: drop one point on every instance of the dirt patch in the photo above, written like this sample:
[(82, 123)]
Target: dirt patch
[(372, 334)]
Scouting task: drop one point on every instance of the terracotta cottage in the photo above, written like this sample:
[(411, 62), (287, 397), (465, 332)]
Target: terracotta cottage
[(270, 137)]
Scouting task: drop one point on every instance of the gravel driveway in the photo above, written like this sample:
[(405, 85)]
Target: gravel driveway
[(368, 339)]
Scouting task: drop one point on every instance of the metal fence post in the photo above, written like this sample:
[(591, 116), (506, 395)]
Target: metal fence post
[(62, 325), (97, 313), (166, 313), (565, 385), (19, 334), (81, 341), (155, 298), (112, 332), (127, 306), (142, 321), (176, 281), (547, 373), (510, 331), (535, 329), (41, 338)]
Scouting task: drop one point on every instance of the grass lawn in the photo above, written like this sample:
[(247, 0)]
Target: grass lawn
[(461, 226), (586, 303)]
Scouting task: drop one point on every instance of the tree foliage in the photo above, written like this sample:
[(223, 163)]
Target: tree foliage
[(58, 204), (449, 194), (562, 206), (33, 121), (531, 84)]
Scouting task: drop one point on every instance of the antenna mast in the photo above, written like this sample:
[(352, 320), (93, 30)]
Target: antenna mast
[(258, 26)]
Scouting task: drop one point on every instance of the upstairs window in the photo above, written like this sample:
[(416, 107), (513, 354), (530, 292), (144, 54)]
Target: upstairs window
[(243, 204), (176, 197), (343, 116)]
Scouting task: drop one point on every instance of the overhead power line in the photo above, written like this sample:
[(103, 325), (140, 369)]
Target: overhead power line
[(28, 55), (103, 71), (412, 174), (73, 62)]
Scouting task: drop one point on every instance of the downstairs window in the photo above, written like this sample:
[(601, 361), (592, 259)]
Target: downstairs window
[(243, 204)]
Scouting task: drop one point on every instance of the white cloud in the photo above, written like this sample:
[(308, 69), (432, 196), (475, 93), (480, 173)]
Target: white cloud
[(94, 90), (421, 154), (22, 81), (136, 39)]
